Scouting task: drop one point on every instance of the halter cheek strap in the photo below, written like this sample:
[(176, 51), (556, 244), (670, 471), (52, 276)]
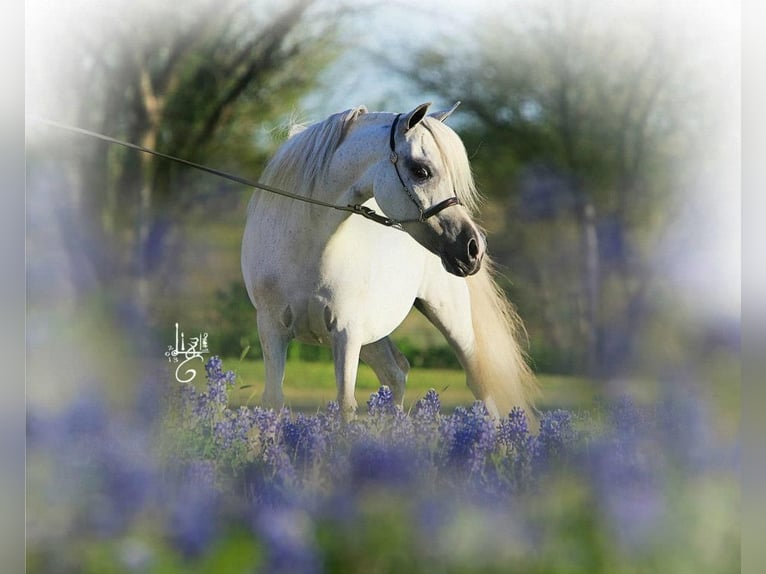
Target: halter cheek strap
[(424, 213)]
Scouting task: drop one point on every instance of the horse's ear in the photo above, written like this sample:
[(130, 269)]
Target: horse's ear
[(416, 116), (354, 113), (444, 114), (349, 117)]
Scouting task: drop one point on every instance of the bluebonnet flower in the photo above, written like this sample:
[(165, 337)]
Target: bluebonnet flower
[(688, 425), (429, 407), (624, 464), (556, 437), (193, 517), (234, 427), (266, 422), (470, 436), (288, 533), (387, 419), (87, 415), (100, 466), (331, 420), (425, 422), (626, 418), (127, 471), (257, 482), (273, 453), (381, 402), (520, 445), (214, 368), (372, 462), (218, 385), (304, 439), (514, 431), (296, 470)]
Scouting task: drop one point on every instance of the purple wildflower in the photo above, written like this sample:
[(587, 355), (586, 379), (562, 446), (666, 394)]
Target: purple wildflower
[(627, 485), (288, 534), (514, 431), (428, 408), (331, 420), (192, 522), (126, 473), (87, 415), (371, 461), (470, 436), (381, 402), (215, 373), (266, 421), (684, 419), (214, 367), (303, 439), (235, 427), (625, 464), (520, 446), (557, 437)]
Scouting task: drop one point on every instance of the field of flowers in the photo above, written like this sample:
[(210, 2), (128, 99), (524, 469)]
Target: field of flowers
[(184, 483)]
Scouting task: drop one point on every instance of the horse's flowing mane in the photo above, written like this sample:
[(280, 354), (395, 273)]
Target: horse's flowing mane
[(302, 161), (455, 159)]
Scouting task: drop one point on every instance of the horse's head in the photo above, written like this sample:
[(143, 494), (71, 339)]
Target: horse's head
[(427, 186)]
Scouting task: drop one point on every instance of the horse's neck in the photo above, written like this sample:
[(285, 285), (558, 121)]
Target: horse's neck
[(349, 175)]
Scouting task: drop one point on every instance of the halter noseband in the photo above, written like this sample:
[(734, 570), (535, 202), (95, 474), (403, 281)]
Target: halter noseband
[(424, 213)]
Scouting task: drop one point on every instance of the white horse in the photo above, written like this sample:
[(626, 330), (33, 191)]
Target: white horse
[(334, 278)]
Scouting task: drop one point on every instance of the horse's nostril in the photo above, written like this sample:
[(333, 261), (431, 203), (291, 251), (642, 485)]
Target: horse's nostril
[(473, 248)]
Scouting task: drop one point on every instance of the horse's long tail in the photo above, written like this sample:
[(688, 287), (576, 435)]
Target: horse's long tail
[(497, 369)]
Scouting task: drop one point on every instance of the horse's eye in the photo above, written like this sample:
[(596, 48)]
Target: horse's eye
[(420, 171)]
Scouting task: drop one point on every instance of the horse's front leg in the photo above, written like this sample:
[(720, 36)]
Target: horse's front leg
[(274, 342), (345, 353)]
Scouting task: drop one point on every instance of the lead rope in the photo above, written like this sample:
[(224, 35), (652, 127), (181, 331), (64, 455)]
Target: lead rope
[(357, 209)]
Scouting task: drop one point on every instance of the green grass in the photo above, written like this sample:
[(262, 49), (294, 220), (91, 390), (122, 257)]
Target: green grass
[(311, 385)]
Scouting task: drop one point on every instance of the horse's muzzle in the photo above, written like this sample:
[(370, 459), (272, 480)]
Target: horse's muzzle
[(464, 256)]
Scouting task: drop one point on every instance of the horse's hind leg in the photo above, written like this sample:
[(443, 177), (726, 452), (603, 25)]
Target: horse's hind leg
[(389, 364), (274, 342)]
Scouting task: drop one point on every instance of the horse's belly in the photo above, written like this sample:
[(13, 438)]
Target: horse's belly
[(368, 280)]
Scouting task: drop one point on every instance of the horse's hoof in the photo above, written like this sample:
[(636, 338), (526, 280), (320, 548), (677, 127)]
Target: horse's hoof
[(348, 412), (272, 402)]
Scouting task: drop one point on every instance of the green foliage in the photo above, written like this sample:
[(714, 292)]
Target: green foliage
[(546, 358), (235, 326), (309, 353), (209, 82), (428, 357), (580, 119)]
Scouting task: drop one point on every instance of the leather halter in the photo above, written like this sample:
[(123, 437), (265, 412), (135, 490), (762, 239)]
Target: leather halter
[(424, 213)]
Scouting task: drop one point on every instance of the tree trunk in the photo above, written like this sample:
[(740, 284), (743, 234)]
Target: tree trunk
[(589, 323)]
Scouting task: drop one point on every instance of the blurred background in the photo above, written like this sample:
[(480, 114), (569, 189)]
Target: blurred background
[(603, 135)]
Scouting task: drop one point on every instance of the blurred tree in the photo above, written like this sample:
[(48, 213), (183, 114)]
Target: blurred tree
[(205, 80), (582, 114)]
